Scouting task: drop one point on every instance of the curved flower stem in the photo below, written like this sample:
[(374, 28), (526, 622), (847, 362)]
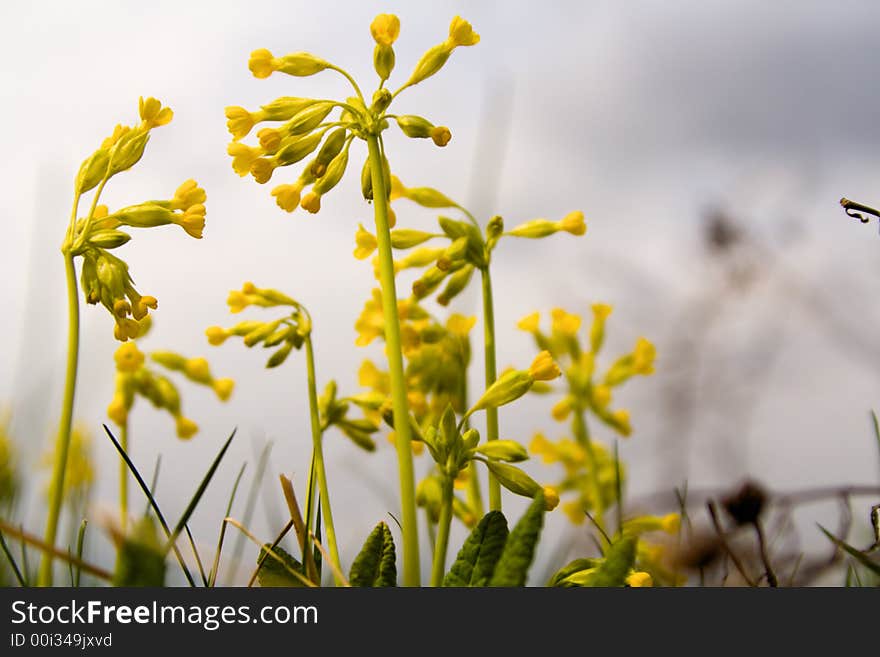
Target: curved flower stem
[(317, 446), (491, 375), (411, 569), (56, 489), (442, 541), (582, 435)]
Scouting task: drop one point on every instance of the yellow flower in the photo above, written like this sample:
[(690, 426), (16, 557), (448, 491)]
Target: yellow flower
[(385, 28), (371, 322), (551, 498), (639, 579), (565, 323), (311, 202), (440, 135), (287, 196), (186, 428), (128, 358), (192, 220), (460, 325), (573, 223), (217, 335), (670, 523), (261, 63), (575, 512), (223, 388), (198, 370), (543, 368), (369, 376), (461, 33), (561, 409), (620, 418), (239, 122), (643, 357), (237, 301), (398, 189), (366, 243), (529, 323), (188, 195), (118, 409), (243, 156), (153, 114), (544, 448), (601, 311), (261, 169), (601, 396)]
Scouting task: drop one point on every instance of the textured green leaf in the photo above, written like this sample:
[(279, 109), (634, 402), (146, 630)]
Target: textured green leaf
[(519, 550), (479, 555), (376, 563), (141, 558), (858, 555), (619, 560), (572, 568), (274, 573)]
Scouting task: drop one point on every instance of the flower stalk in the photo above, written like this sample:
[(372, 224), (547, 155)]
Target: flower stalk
[(491, 376)]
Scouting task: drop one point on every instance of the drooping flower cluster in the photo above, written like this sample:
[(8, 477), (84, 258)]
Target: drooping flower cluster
[(135, 379), (105, 277), (300, 127)]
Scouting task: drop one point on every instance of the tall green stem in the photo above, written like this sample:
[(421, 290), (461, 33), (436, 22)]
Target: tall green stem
[(123, 477), (411, 569), (582, 435), (442, 541), (491, 375), (317, 446), (62, 443)]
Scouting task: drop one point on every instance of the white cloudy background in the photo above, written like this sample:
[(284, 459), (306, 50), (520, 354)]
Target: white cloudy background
[(647, 115)]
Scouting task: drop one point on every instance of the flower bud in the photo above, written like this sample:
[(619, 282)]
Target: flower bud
[(456, 285), (335, 170), (535, 229), (385, 29), (92, 170), (331, 148), (169, 359), (406, 238), (284, 108), (509, 387), (440, 135), (428, 282), (309, 118), (543, 368), (108, 239), (514, 479), (504, 450), (383, 60), (280, 355), (301, 64), (381, 100), (431, 62), (414, 126), (365, 243)]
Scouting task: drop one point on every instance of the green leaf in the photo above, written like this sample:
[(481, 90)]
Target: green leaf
[(479, 555), (519, 550), (619, 560), (858, 555), (375, 565), (572, 568), (141, 558), (275, 570)]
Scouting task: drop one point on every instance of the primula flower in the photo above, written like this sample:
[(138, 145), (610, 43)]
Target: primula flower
[(385, 28)]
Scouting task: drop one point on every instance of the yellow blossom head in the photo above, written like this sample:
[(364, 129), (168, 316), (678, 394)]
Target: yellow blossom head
[(544, 368), (671, 523), (460, 325), (639, 579), (643, 357), (551, 498), (197, 369), (561, 409), (573, 223), (223, 388), (601, 311), (188, 195), (217, 335), (152, 113), (365, 243), (128, 357), (287, 196), (261, 63), (118, 410), (261, 169), (186, 428), (529, 323), (461, 33), (565, 323), (311, 202), (440, 135), (239, 122), (385, 28)]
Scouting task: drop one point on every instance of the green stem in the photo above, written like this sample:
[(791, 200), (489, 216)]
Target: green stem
[(582, 435), (317, 446), (474, 494), (442, 533), (411, 569), (491, 375), (62, 444), (123, 477)]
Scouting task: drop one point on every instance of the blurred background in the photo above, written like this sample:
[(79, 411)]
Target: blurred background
[(708, 144)]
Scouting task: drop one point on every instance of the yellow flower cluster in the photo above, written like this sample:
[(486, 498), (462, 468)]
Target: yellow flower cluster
[(105, 277), (134, 378)]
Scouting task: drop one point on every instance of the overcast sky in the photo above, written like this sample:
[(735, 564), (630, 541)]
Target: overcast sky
[(645, 115)]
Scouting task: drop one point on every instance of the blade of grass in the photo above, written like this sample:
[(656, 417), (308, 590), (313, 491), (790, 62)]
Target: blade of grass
[(191, 507), (337, 574), (215, 567), (300, 526), (11, 561), (316, 554), (858, 555), (249, 507), (153, 504), (876, 424), (154, 482), (618, 488), (195, 551), (38, 543), (25, 567), (80, 541)]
